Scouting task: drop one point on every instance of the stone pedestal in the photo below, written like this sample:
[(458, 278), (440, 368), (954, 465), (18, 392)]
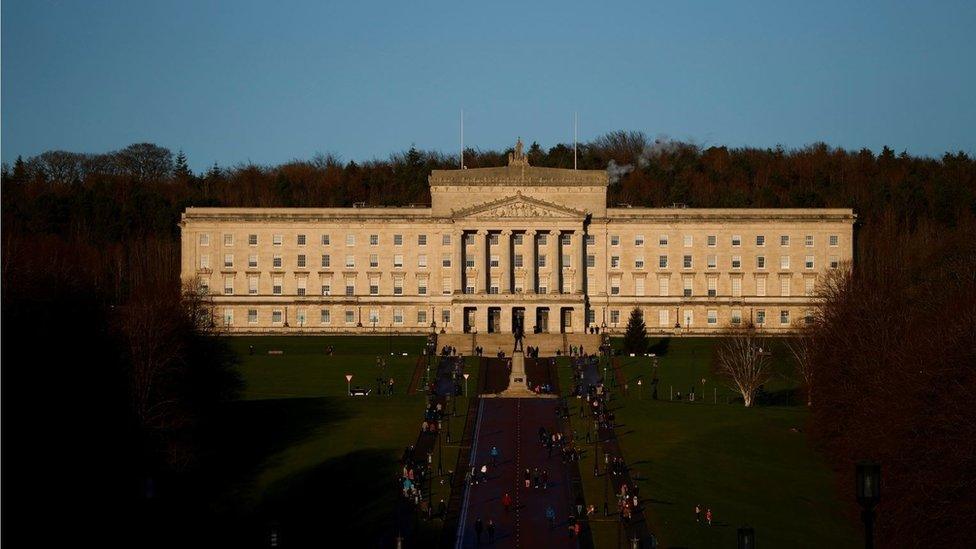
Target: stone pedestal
[(518, 385)]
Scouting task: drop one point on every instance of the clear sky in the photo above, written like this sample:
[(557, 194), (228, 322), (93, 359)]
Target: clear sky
[(267, 82)]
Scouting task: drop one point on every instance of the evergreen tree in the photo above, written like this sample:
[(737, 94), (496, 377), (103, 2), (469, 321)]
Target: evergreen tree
[(635, 339), (182, 169)]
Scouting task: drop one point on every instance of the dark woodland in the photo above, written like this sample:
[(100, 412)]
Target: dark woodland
[(91, 241)]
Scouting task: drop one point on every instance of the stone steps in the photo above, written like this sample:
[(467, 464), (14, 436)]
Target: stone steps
[(492, 343)]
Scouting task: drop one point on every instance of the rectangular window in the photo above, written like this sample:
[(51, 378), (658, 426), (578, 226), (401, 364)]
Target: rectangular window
[(614, 240), (494, 261), (639, 286), (615, 262), (446, 260), (398, 316), (712, 261), (398, 261), (736, 240), (350, 317), (276, 316), (493, 239), (252, 285), (350, 240), (374, 261), (326, 241), (784, 240), (276, 261), (493, 287), (567, 263), (808, 241), (325, 316), (712, 316), (204, 261), (784, 286), (639, 263), (689, 240), (761, 286), (204, 239), (662, 284), (469, 287), (276, 285), (784, 262), (422, 286), (421, 240), (277, 239), (712, 286), (808, 262), (301, 261), (204, 286), (228, 240), (710, 240), (228, 285), (686, 262), (327, 288), (542, 260), (834, 240), (422, 317), (517, 260), (639, 240), (300, 317), (614, 286), (590, 260), (760, 262), (760, 317), (350, 261), (834, 263), (784, 316), (760, 240), (398, 240), (736, 316), (228, 260), (687, 287), (662, 262), (374, 286), (301, 286), (252, 316), (350, 287), (252, 240), (736, 262), (446, 286), (614, 316), (374, 240), (397, 286), (469, 262), (445, 316), (662, 240), (252, 261), (374, 316), (808, 284), (422, 261), (567, 239), (590, 316), (736, 286), (326, 261), (301, 240), (590, 240), (445, 240), (542, 239), (662, 318)]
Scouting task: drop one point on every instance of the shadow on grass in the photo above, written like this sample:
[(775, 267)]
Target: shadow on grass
[(660, 348)]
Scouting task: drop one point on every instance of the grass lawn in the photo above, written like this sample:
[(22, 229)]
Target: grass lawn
[(748, 465), (297, 452)]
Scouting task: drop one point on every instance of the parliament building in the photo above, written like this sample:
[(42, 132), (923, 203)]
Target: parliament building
[(507, 243)]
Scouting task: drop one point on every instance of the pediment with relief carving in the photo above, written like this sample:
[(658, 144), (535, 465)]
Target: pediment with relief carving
[(519, 207)]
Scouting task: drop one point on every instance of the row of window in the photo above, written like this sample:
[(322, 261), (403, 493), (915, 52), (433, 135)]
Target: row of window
[(687, 319), (517, 239), (711, 262)]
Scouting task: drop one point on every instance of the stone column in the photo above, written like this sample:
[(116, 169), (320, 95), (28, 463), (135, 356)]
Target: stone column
[(531, 263), (457, 260), (481, 261), (555, 279), (505, 322), (505, 261), (579, 261)]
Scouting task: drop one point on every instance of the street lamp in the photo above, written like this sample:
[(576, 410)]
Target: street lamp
[(868, 491), (746, 538), (348, 384), (466, 375)]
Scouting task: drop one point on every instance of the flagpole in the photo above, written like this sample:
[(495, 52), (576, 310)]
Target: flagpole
[(575, 123), (461, 152)]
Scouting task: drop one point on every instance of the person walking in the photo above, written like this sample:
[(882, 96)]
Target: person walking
[(708, 516), (506, 501), (551, 516), (478, 527), (491, 532), (528, 477), (494, 455), (698, 514)]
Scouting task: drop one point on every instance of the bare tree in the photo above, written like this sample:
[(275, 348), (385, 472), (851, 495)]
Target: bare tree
[(801, 347), (743, 360)]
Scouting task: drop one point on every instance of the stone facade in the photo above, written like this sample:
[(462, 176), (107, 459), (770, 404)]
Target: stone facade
[(511, 241)]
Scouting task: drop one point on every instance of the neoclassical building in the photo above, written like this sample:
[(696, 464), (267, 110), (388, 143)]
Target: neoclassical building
[(510, 242)]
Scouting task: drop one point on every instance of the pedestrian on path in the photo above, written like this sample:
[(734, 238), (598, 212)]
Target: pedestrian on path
[(528, 478), (506, 501), (494, 455), (551, 516), (478, 527), (491, 532), (708, 516), (698, 514)]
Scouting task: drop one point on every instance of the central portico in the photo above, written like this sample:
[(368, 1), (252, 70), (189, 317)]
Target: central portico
[(519, 233)]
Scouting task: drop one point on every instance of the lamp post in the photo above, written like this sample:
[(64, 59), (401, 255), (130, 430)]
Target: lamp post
[(746, 538), (348, 384), (868, 491), (466, 375)]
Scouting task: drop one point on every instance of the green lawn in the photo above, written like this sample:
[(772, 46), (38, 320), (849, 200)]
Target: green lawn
[(750, 466), (297, 451)]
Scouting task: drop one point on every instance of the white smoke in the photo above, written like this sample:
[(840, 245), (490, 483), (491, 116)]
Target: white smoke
[(662, 145), (616, 171)]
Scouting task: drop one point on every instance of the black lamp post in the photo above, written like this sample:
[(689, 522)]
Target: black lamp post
[(746, 538), (868, 490)]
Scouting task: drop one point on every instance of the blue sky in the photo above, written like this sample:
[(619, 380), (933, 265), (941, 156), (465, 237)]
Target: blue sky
[(267, 82)]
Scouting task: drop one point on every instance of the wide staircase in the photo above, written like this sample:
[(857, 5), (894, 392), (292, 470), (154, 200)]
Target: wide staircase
[(548, 344)]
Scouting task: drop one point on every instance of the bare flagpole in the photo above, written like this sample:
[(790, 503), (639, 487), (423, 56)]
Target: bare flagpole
[(461, 152), (575, 124)]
